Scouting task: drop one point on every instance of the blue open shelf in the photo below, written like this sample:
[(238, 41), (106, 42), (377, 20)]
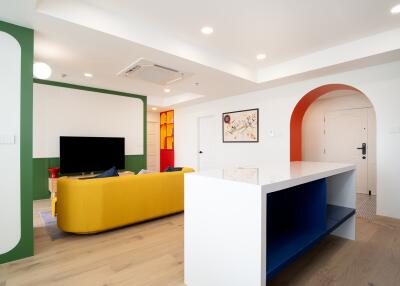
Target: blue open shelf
[(298, 218)]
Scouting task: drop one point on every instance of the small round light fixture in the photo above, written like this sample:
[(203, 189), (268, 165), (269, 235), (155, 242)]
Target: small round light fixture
[(154, 108), (167, 90), (395, 9), (41, 70), (261, 57), (207, 30), (87, 74)]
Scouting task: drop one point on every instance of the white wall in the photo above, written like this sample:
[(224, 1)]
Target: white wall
[(381, 84), (59, 111), (10, 113), (153, 116)]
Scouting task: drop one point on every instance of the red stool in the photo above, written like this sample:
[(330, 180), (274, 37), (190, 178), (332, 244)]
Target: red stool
[(54, 172)]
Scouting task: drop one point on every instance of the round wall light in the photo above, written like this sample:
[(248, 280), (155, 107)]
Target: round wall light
[(41, 70), (261, 57), (395, 9), (207, 30)]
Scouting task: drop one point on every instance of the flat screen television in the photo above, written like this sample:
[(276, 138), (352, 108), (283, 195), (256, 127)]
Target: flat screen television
[(91, 154)]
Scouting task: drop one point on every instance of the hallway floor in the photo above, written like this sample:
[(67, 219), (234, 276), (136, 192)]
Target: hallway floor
[(366, 206), (151, 253)]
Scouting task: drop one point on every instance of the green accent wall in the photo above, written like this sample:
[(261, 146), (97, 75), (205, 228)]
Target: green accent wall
[(41, 176), (24, 36), (132, 162)]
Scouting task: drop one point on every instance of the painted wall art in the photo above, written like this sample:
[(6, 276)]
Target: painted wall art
[(240, 126)]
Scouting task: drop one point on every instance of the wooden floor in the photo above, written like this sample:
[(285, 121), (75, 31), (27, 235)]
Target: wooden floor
[(152, 254)]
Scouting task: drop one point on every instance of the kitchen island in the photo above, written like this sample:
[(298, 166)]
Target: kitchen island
[(244, 225)]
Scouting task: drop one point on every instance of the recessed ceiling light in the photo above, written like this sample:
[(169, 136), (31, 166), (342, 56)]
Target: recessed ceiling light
[(154, 108), (207, 30), (41, 70), (261, 57), (88, 74), (167, 90), (395, 9)]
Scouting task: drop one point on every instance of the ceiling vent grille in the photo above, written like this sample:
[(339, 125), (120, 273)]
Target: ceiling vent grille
[(145, 70)]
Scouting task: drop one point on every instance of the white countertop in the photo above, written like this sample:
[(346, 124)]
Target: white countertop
[(277, 176)]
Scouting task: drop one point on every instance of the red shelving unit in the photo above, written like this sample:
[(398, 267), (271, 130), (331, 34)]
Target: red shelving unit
[(166, 139)]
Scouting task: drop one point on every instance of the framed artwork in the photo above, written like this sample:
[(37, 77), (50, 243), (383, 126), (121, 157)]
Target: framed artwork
[(240, 126)]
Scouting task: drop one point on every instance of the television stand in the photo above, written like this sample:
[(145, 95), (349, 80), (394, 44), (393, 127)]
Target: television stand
[(53, 181), (86, 177), (93, 175)]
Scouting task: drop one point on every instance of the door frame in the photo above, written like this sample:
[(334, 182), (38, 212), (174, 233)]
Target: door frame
[(157, 142), (369, 108), (198, 138)]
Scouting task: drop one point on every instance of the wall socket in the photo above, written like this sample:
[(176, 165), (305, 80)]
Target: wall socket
[(6, 139)]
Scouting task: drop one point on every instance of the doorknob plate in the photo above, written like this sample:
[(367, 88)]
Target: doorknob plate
[(363, 148)]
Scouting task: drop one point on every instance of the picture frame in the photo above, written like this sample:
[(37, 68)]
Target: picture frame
[(241, 126)]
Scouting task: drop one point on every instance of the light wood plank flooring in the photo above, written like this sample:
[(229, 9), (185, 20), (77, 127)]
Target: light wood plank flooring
[(152, 254)]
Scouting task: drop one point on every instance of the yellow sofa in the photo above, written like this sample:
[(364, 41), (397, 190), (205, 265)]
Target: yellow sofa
[(95, 205)]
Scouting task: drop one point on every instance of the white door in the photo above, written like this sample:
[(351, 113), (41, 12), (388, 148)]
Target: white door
[(346, 140), (207, 134), (153, 149)]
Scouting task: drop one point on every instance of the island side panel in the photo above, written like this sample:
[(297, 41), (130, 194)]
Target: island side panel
[(342, 192), (225, 233)]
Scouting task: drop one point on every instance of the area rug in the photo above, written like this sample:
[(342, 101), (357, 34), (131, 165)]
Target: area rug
[(50, 223)]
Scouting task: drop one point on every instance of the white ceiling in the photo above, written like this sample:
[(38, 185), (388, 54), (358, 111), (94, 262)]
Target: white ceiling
[(283, 29), (301, 38), (78, 50)]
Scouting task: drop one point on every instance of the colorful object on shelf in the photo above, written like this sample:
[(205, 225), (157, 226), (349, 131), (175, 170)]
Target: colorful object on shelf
[(54, 172), (166, 139)]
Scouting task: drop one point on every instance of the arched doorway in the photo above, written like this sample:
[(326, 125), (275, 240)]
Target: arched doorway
[(336, 123)]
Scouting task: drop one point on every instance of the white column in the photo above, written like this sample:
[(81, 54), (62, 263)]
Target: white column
[(342, 192), (225, 233)]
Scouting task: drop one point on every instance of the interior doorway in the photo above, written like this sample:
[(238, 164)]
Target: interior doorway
[(339, 125), (207, 132), (346, 139)]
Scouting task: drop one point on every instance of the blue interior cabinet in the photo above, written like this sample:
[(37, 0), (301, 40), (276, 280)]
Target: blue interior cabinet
[(297, 219)]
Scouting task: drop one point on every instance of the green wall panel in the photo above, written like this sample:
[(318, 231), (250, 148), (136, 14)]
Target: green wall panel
[(40, 176), (25, 38), (132, 162), (135, 163)]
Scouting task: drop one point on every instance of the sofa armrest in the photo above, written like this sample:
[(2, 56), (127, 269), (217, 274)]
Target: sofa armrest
[(53, 206), (187, 170)]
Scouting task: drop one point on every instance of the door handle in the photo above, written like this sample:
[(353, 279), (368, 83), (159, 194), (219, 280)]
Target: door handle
[(363, 148)]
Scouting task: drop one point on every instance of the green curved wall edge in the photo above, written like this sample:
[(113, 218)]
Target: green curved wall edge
[(25, 38)]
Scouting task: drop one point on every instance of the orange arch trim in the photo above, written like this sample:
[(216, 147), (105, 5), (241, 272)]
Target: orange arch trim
[(296, 121)]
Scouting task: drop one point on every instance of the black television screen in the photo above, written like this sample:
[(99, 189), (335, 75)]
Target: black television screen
[(91, 154)]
